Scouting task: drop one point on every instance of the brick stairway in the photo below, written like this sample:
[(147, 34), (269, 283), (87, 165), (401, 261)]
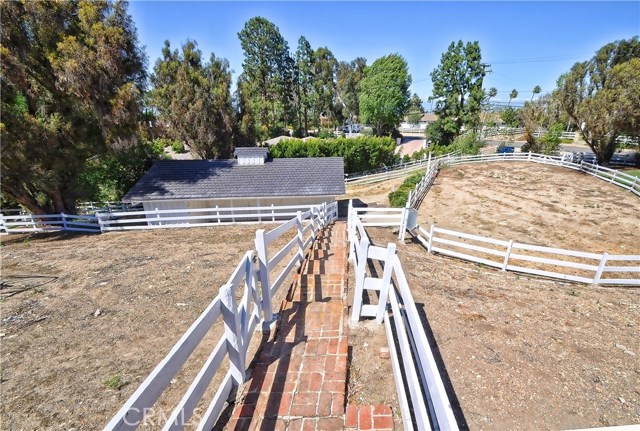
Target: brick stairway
[(299, 380)]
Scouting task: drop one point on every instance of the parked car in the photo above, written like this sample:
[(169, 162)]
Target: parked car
[(353, 128), (505, 149)]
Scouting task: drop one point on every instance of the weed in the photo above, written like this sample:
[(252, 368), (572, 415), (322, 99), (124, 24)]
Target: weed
[(574, 293), (115, 382)]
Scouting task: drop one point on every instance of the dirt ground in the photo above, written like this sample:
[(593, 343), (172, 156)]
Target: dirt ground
[(101, 311), (535, 204), (522, 352)]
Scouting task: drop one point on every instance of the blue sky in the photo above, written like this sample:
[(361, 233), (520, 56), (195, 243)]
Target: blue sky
[(526, 43)]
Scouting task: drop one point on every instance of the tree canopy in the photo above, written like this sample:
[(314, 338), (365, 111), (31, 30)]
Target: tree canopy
[(457, 90), (602, 96), (267, 75), (72, 82), (384, 93), (194, 100)]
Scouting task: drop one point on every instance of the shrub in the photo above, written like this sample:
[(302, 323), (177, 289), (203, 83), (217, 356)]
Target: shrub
[(177, 147), (360, 154), (467, 144), (398, 198)]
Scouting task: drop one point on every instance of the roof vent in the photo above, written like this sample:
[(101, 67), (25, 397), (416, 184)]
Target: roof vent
[(251, 155)]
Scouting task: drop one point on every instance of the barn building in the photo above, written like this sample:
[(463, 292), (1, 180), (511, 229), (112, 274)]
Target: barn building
[(251, 180)]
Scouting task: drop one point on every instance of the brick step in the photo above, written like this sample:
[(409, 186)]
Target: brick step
[(373, 417)]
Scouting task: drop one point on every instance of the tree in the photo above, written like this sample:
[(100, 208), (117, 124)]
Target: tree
[(601, 96), (348, 79), (512, 95), (325, 67), (415, 109), (194, 100), (511, 116), (304, 89), (72, 80), (384, 93), (268, 75), (457, 89), (536, 90)]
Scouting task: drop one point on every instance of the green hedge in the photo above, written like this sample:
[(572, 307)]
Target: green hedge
[(398, 198), (360, 154)]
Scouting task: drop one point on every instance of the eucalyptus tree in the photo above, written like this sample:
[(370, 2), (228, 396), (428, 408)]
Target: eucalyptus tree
[(348, 77), (72, 81), (602, 96)]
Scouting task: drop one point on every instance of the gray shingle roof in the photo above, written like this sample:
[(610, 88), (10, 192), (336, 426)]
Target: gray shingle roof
[(213, 179)]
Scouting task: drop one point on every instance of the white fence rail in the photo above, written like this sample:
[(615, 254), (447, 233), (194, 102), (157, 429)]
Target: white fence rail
[(421, 394), (616, 177), (391, 172), (574, 136), (240, 319), (157, 219), (47, 223), (508, 255)]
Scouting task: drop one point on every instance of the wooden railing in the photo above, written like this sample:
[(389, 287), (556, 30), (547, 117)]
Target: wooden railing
[(414, 366), (240, 319)]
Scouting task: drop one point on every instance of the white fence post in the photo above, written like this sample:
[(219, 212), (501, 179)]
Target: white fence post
[(263, 272), (506, 256), (3, 227), (233, 332), (63, 216), (363, 251), (603, 261), (403, 222), (218, 214), (300, 238), (386, 281), (431, 233)]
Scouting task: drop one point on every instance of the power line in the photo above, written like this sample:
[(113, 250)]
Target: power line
[(541, 59)]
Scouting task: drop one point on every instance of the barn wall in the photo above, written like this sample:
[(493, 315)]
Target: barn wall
[(227, 203)]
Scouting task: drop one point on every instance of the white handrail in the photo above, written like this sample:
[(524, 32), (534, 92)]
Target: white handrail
[(240, 320), (413, 362)]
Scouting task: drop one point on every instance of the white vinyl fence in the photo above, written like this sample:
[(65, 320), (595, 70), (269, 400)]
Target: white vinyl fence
[(531, 259), (25, 223), (391, 172), (422, 397), (157, 219), (240, 319)]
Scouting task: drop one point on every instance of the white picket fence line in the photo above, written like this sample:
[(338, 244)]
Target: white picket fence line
[(391, 172), (157, 219), (500, 254), (503, 131), (413, 363), (240, 320), (26, 223), (613, 176)]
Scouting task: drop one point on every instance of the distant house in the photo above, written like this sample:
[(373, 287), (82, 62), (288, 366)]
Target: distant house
[(250, 181), (424, 122)]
